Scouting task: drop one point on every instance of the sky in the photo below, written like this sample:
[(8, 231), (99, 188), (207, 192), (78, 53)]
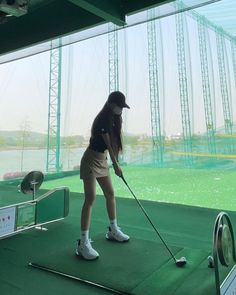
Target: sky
[(24, 91)]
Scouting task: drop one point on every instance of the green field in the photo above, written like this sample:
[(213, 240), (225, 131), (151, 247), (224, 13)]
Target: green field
[(205, 188)]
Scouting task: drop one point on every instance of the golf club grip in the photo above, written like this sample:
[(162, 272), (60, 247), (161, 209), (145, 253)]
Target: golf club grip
[(51, 270)]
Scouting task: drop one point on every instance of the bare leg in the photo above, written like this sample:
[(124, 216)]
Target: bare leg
[(107, 188), (114, 232), (89, 194), (84, 247)]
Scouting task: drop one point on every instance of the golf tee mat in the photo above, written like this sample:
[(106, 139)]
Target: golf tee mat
[(137, 267), (86, 282)]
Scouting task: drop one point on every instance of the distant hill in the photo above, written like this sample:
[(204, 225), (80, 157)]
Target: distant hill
[(19, 138), (29, 139), (15, 133)]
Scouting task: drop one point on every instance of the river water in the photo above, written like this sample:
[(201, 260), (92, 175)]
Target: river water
[(28, 160), (16, 160)]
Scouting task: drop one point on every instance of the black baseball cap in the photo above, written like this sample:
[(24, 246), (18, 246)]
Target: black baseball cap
[(118, 98)]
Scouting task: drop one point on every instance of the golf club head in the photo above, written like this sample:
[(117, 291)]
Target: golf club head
[(181, 262)]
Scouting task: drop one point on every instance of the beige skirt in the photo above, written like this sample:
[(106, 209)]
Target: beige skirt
[(93, 164)]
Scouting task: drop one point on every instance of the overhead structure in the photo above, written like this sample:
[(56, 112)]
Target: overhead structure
[(225, 88), (154, 83), (221, 14), (113, 61), (113, 58), (207, 85), (50, 19), (73, 21), (223, 26), (184, 86), (54, 112), (13, 7)]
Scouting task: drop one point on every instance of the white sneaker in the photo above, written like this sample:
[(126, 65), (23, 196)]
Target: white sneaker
[(86, 250), (117, 235)]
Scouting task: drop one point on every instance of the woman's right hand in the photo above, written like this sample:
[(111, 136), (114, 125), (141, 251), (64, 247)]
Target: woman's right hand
[(117, 170)]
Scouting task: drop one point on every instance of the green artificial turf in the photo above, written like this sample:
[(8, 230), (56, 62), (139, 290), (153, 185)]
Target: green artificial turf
[(121, 266), (10, 195), (205, 188), (150, 268)]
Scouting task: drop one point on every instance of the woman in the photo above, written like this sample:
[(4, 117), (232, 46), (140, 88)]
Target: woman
[(105, 138)]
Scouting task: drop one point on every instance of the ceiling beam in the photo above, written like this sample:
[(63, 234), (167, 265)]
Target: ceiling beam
[(109, 10), (44, 24)]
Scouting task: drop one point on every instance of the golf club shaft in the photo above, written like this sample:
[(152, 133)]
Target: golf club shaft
[(50, 270), (140, 205)]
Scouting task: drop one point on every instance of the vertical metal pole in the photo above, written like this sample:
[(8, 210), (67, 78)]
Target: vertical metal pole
[(54, 110), (224, 85), (158, 141), (204, 48), (184, 87)]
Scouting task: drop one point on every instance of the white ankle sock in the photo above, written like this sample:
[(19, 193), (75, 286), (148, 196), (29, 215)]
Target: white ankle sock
[(84, 236), (113, 224)]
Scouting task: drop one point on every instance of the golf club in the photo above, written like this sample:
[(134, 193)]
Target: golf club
[(51, 270), (179, 262)]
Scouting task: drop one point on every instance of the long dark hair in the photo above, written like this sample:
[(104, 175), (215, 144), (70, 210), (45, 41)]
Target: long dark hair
[(114, 127)]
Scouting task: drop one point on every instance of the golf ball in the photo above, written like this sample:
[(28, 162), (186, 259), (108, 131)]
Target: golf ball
[(210, 261)]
